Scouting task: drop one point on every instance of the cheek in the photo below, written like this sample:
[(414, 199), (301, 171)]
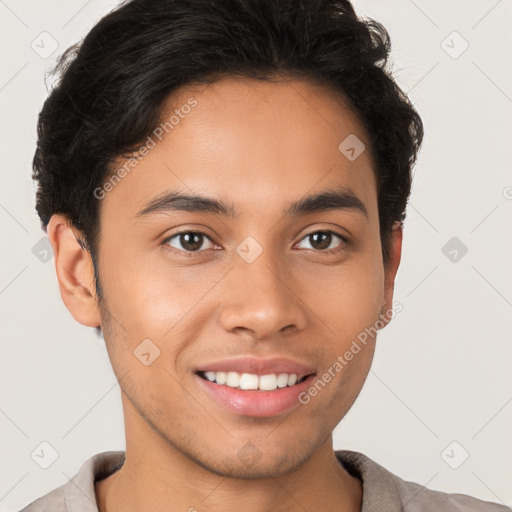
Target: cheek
[(363, 296), (347, 299), (147, 296)]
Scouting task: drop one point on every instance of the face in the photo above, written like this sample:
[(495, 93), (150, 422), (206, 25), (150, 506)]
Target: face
[(184, 288)]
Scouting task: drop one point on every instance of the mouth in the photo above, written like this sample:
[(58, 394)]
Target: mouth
[(253, 395), (252, 381)]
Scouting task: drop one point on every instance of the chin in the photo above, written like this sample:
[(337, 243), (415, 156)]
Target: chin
[(250, 463)]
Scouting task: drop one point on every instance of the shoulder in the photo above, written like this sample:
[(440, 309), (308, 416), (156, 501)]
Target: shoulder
[(384, 491), (54, 501), (417, 498), (78, 494)]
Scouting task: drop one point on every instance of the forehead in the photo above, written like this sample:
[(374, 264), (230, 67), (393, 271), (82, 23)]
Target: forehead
[(253, 143)]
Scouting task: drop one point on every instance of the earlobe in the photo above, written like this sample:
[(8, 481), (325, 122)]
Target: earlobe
[(395, 254), (75, 272)]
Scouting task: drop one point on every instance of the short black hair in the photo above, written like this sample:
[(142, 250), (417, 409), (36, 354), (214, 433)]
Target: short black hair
[(112, 86)]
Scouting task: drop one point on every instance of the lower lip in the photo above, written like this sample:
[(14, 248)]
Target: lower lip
[(256, 402)]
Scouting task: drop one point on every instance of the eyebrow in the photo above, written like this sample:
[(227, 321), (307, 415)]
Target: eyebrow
[(327, 200)]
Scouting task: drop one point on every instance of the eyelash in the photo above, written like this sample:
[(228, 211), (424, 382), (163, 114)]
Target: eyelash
[(192, 253)]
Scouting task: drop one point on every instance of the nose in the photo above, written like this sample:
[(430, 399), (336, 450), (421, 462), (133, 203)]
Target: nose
[(260, 298)]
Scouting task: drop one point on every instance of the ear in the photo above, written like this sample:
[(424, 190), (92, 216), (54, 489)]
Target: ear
[(75, 271), (395, 254)]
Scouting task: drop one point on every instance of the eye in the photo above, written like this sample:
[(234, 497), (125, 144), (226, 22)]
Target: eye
[(322, 241), (193, 241), (190, 241)]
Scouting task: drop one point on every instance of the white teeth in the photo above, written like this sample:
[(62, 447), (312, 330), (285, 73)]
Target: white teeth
[(210, 375), (233, 379), (268, 382), (220, 377), (282, 380), (292, 379), (251, 381)]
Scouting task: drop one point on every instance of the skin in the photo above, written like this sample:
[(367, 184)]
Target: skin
[(292, 301)]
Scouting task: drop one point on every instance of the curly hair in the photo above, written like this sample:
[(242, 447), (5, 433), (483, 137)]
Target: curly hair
[(111, 88)]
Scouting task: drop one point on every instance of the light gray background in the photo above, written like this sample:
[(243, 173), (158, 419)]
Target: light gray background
[(441, 372)]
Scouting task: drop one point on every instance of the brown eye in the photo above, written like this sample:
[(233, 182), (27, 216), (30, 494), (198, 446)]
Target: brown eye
[(322, 241), (190, 241)]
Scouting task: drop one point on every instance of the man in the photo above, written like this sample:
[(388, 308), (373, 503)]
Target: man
[(223, 184)]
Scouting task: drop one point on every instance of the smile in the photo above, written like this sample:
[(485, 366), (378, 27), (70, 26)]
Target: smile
[(251, 381), (254, 401)]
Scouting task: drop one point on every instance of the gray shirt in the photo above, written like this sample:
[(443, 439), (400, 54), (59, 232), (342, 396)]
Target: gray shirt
[(382, 490)]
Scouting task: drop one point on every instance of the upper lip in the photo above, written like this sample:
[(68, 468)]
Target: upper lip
[(257, 366)]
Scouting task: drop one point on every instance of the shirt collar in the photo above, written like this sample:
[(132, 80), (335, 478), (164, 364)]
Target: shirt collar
[(379, 489)]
